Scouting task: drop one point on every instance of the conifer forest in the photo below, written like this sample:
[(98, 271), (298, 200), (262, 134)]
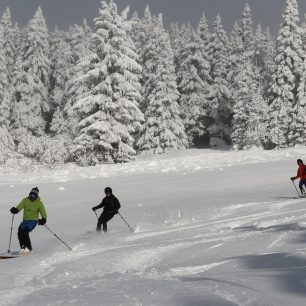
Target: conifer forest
[(128, 84)]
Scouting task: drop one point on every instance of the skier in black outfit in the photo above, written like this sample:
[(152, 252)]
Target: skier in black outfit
[(111, 206)]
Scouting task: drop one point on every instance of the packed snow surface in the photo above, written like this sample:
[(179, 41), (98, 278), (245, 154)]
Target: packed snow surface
[(216, 228)]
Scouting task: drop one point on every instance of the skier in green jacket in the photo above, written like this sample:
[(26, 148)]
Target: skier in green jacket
[(32, 207)]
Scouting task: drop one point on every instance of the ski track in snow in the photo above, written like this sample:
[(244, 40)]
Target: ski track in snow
[(29, 279), (277, 242), (137, 261), (195, 269), (230, 253)]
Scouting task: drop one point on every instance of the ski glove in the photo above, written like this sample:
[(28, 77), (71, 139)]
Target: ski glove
[(292, 178), (93, 209), (42, 221), (14, 210)]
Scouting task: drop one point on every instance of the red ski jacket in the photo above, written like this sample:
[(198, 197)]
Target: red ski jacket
[(301, 173)]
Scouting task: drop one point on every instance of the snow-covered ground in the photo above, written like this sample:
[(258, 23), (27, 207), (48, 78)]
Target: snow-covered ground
[(216, 228)]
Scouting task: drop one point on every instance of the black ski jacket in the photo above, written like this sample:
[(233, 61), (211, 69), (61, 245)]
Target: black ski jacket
[(111, 205)]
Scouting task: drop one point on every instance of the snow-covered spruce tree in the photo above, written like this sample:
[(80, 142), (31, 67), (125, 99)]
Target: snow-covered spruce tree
[(249, 107), (186, 32), (249, 126), (180, 36), (109, 110), (65, 120), (62, 67), (303, 29), (260, 50), (176, 42), (31, 81), (11, 45), (203, 32), (246, 31), (141, 36), (174, 36), (79, 37), (10, 42), (163, 129), (287, 89), (139, 31), (298, 134), (237, 56), (19, 36), (220, 106), (136, 32), (194, 88), (54, 41), (6, 140), (264, 56)]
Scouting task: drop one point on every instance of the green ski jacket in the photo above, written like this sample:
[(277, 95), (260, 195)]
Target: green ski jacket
[(32, 209)]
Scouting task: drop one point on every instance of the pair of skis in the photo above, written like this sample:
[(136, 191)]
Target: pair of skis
[(14, 254), (11, 255), (7, 256)]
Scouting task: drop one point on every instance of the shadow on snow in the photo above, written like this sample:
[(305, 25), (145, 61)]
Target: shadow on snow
[(287, 270), (295, 227), (196, 301)]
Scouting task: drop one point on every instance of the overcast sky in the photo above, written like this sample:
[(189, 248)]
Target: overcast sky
[(66, 12)]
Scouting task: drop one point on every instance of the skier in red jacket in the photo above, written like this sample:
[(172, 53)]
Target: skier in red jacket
[(301, 173)]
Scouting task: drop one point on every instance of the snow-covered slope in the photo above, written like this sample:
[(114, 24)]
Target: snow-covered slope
[(212, 228)]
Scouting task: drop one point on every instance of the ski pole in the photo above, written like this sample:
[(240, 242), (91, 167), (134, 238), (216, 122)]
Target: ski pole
[(9, 248), (125, 222), (58, 237), (96, 215), (295, 188)]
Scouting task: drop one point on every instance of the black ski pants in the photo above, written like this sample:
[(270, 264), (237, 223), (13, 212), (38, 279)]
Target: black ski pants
[(103, 219)]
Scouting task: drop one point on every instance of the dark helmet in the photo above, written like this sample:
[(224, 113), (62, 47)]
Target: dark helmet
[(34, 193), (108, 190), (299, 161)]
